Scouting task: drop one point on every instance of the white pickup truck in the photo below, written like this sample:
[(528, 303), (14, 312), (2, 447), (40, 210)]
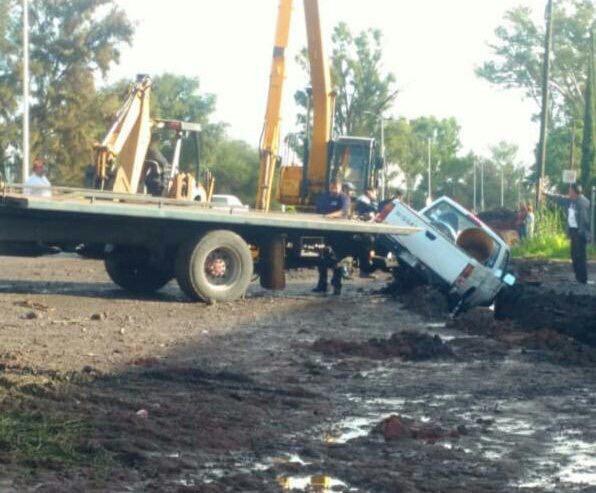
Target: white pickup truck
[(453, 250)]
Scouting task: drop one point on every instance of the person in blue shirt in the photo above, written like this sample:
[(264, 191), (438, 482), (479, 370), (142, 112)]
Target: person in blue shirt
[(333, 204)]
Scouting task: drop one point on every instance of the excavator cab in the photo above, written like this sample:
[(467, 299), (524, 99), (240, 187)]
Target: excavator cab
[(355, 159)]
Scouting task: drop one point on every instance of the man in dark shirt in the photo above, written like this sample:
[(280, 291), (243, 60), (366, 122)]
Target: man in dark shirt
[(367, 205), (333, 204)]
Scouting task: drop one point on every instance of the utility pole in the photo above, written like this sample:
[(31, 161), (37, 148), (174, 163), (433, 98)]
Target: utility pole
[(541, 162), (572, 151), (593, 205), (385, 184), (25, 165), (429, 197)]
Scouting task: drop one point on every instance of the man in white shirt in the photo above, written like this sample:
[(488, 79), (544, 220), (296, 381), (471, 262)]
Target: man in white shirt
[(578, 227), (38, 184)]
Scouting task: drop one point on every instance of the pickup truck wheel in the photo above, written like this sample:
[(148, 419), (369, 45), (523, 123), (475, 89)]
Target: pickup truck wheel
[(216, 267), (132, 270)]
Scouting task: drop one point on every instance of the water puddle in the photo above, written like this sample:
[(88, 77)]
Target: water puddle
[(515, 426), (349, 429), (568, 460)]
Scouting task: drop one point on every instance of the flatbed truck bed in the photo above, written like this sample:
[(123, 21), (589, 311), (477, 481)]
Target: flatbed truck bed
[(211, 250)]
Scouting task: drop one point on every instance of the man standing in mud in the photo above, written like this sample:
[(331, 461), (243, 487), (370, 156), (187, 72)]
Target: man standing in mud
[(578, 227), (334, 204)]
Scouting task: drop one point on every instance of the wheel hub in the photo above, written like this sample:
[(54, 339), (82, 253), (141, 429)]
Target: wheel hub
[(216, 267)]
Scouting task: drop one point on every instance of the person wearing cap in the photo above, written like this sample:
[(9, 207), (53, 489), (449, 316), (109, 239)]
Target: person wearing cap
[(38, 184), (367, 205)]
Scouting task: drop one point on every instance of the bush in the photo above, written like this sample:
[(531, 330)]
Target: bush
[(550, 239)]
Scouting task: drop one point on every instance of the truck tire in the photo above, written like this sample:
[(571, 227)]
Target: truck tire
[(132, 270), (272, 264), (215, 267)]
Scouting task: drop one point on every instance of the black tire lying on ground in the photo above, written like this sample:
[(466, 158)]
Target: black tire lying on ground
[(217, 266), (132, 270)]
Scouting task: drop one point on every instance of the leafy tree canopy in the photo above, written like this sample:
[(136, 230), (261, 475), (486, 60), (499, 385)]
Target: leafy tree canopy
[(518, 55), (72, 44)]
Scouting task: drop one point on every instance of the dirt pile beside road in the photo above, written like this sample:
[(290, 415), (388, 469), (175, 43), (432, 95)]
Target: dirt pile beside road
[(424, 300), (571, 312), (412, 346), (561, 348)]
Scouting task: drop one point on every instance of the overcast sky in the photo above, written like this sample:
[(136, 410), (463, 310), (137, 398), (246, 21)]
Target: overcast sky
[(432, 46)]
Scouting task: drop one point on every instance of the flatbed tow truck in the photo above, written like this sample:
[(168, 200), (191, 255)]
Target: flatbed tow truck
[(212, 252)]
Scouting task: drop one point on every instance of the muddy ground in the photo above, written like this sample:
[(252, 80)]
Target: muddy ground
[(101, 391)]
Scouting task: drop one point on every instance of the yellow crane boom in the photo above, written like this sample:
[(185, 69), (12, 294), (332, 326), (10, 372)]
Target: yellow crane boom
[(322, 100), (315, 171), (350, 158), (269, 146)]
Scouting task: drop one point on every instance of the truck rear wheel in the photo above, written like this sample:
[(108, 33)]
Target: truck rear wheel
[(215, 267), (132, 269)]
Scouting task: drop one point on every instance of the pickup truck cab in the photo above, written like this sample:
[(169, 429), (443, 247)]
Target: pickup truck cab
[(453, 249)]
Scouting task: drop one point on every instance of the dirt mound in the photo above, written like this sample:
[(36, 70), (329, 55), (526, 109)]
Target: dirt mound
[(534, 307), (563, 349), (500, 219), (424, 300), (412, 346), (395, 428)]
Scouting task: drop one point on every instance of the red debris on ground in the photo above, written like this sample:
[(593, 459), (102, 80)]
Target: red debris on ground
[(397, 427)]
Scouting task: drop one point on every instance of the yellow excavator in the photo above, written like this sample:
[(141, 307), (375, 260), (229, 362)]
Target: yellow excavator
[(326, 159), (126, 161)]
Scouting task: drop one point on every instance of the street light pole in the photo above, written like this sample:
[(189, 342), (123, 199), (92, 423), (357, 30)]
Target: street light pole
[(482, 186), (385, 184), (475, 187), (25, 170), (502, 188)]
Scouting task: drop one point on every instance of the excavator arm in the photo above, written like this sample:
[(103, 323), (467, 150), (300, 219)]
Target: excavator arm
[(126, 142), (269, 147), (121, 158), (297, 184), (323, 101)]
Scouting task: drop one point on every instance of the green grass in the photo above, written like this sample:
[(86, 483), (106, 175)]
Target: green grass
[(550, 241), (39, 440)]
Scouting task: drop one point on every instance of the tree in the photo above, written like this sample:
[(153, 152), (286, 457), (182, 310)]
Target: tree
[(402, 154), (72, 43), (178, 97), (517, 61), (364, 90), (407, 152), (588, 165), (236, 169)]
